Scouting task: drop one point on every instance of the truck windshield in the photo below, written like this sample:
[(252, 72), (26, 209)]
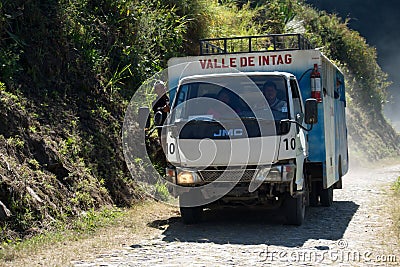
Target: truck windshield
[(259, 102), (224, 98)]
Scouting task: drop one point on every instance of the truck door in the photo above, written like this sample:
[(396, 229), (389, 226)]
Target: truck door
[(301, 147), (328, 83)]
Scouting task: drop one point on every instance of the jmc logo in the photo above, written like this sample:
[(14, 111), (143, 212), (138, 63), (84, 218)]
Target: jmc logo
[(230, 132)]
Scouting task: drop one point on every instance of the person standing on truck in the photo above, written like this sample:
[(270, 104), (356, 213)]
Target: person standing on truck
[(269, 45), (161, 104)]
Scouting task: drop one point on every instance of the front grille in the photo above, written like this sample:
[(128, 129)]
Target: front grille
[(228, 175)]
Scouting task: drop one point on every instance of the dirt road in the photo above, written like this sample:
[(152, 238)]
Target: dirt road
[(355, 231)]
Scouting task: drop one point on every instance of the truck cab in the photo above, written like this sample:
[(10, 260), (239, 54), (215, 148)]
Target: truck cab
[(232, 140)]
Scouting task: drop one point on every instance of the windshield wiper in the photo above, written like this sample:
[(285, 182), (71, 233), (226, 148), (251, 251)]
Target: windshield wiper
[(200, 118), (247, 119), (253, 118)]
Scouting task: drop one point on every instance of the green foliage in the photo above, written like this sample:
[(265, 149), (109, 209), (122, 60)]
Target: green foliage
[(92, 220), (277, 14), (110, 45), (161, 191), (231, 20), (16, 141), (34, 164)]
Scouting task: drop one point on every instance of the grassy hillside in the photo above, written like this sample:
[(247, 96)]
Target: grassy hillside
[(69, 68)]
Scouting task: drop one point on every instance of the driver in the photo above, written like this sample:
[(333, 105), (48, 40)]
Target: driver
[(269, 91)]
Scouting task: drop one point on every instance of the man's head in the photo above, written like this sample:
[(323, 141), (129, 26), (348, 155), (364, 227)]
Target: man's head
[(159, 88), (269, 91)]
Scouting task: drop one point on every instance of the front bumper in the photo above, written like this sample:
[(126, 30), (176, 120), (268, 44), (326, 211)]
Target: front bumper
[(277, 173)]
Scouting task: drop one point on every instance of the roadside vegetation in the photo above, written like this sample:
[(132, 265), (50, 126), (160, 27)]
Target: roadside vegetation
[(82, 227), (69, 68)]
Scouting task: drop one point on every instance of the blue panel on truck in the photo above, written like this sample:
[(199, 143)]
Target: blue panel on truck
[(316, 139)]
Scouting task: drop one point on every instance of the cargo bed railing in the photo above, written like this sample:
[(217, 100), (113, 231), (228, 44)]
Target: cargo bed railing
[(249, 44)]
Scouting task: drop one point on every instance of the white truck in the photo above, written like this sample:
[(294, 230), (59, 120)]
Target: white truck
[(240, 149)]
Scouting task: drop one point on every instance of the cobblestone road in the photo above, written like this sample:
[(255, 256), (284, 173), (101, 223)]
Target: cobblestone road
[(355, 231)]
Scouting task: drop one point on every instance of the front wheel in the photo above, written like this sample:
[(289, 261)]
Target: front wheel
[(191, 215)]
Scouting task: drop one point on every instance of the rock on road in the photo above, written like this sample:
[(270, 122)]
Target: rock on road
[(355, 231)]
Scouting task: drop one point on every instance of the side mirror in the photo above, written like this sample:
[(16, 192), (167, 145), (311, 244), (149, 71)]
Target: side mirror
[(158, 118), (311, 111), (143, 117)]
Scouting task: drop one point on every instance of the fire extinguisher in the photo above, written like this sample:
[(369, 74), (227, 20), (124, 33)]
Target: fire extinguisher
[(316, 84)]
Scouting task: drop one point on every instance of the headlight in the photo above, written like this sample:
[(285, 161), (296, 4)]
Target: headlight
[(275, 174), (187, 177), (262, 174), (278, 173)]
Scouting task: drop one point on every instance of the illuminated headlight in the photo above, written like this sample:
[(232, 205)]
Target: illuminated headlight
[(279, 173), (187, 177)]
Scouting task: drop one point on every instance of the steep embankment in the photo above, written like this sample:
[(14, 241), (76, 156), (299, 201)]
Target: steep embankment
[(68, 70)]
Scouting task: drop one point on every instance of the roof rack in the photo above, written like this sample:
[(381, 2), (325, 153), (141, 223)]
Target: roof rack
[(249, 44)]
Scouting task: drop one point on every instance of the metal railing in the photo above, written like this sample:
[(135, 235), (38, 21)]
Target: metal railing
[(249, 44)]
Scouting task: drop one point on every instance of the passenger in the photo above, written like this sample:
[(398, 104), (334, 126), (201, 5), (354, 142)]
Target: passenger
[(228, 98)]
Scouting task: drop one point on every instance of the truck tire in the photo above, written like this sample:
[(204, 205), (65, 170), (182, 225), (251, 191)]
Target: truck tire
[(295, 208), (191, 215), (326, 197)]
